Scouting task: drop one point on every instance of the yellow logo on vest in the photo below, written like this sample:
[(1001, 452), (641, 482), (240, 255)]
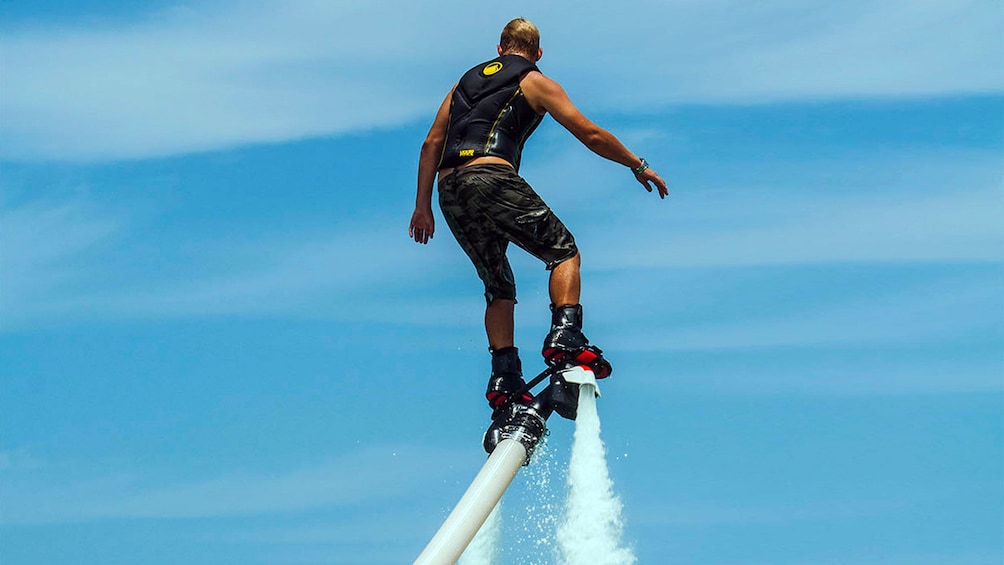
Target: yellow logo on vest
[(491, 69), (466, 152)]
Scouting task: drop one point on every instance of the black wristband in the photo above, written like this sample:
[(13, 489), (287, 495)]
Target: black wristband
[(641, 168)]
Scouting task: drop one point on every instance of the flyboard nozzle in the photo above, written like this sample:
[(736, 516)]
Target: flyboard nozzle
[(582, 376), (563, 392), (520, 422)]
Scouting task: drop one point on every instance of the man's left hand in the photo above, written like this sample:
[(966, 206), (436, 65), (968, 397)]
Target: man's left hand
[(647, 176)]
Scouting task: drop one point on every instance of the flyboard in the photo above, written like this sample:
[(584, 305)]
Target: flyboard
[(510, 441)]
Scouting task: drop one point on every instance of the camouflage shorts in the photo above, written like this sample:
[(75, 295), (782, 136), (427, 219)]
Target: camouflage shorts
[(486, 207)]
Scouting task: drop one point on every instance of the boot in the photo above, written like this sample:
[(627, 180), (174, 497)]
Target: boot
[(506, 378), (566, 345), (565, 338)]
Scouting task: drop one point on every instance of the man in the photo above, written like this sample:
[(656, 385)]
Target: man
[(475, 145)]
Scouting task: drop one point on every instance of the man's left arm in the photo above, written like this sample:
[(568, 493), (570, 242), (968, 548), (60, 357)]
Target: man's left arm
[(547, 95), (423, 225)]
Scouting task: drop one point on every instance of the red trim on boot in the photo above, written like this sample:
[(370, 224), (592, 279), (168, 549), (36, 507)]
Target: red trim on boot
[(496, 398), (554, 356)]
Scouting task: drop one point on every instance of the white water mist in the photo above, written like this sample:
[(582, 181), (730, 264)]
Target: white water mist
[(591, 532), (537, 511), (484, 548), (529, 529)]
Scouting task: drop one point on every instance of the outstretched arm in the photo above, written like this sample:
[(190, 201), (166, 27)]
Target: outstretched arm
[(546, 95), (423, 225)]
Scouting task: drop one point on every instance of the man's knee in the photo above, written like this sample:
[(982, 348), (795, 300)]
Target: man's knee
[(497, 303), (506, 293), (572, 262)]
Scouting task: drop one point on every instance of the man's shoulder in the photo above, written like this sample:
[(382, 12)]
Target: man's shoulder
[(541, 92), (535, 75), (537, 82)]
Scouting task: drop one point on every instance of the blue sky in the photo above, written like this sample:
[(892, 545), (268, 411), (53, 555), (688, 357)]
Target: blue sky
[(219, 345)]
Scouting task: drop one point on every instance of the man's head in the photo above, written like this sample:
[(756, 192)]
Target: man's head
[(520, 37)]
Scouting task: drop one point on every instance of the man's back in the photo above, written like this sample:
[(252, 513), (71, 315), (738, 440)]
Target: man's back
[(488, 114)]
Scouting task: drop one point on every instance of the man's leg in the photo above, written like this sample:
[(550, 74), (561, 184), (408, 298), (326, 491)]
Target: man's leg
[(565, 342), (507, 371), (566, 314), (499, 323), (565, 283), (463, 199)]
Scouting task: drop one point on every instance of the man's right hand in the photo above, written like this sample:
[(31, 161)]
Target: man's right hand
[(648, 175), (422, 226)]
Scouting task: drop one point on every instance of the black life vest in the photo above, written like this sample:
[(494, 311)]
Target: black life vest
[(488, 113)]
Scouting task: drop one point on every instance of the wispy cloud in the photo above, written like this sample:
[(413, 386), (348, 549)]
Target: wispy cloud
[(313, 274), (58, 263), (948, 309), (20, 459), (915, 208), (45, 248), (894, 48), (200, 78), (861, 379), (957, 227), (711, 514), (231, 73), (368, 475)]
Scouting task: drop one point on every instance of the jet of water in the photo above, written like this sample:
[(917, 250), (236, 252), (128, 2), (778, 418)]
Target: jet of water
[(592, 530)]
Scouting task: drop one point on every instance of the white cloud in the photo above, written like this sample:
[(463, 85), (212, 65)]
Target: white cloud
[(368, 475), (712, 514), (938, 312), (863, 380), (794, 49), (922, 207), (658, 266), (63, 261), (20, 459), (58, 264), (232, 73), (200, 79), (290, 275), (958, 227), (44, 247)]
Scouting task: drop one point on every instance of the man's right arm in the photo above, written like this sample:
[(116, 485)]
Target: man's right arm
[(423, 225), (546, 95)]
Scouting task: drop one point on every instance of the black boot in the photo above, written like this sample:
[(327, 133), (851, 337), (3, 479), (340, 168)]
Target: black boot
[(565, 338), (506, 379), (566, 345)]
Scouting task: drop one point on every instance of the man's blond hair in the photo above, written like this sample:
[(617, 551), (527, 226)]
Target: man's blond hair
[(520, 36)]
